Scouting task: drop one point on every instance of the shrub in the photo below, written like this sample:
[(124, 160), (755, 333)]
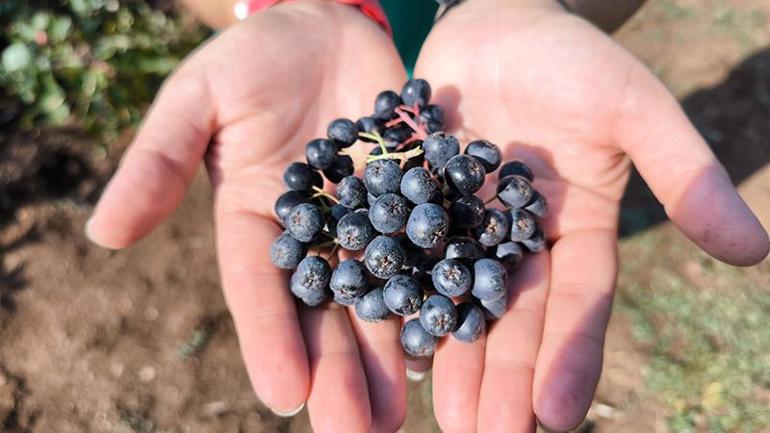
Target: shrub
[(94, 63)]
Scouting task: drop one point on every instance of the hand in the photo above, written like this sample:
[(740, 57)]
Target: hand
[(247, 103), (550, 88)]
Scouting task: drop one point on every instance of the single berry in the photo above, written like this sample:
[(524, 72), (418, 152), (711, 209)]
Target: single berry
[(451, 278), (462, 247), (286, 252), (516, 167), (349, 279), (340, 168), (310, 282), (523, 225), (389, 212), (508, 253), (385, 105), (537, 205), (416, 92), (351, 192), (384, 257), (486, 153), (305, 221), (301, 177), (371, 307), (432, 116), (382, 176), (490, 279), (470, 323), (515, 191), (321, 153), (467, 212), (427, 225), (396, 135), (403, 295), (370, 125), (495, 308), (416, 341), (354, 231), (439, 147), (464, 174), (287, 201), (343, 131), (438, 315), (537, 242), (493, 229), (419, 186)]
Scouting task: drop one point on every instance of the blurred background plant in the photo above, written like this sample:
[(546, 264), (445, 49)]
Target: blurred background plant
[(91, 63)]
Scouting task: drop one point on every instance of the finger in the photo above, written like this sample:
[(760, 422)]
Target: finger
[(339, 400), (685, 175), (263, 311), (383, 361), (457, 371), (505, 401), (583, 270), (160, 163)]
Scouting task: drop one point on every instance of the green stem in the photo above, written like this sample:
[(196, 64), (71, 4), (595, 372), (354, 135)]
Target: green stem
[(322, 193), (377, 138), (417, 151)]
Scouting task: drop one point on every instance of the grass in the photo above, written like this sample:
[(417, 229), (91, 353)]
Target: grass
[(705, 326)]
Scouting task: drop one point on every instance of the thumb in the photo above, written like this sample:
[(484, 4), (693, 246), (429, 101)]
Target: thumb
[(160, 163)]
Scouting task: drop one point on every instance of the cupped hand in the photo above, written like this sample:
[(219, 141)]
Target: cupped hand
[(550, 88), (247, 103)]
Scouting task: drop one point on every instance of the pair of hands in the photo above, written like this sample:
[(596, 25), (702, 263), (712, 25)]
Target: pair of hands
[(544, 85)]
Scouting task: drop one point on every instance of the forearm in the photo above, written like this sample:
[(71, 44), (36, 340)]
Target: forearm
[(608, 15), (217, 14)]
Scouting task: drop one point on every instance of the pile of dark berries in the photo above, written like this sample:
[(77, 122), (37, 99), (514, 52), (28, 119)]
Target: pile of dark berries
[(430, 246)]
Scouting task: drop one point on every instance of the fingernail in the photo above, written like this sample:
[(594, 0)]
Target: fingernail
[(289, 413), (88, 230), (415, 376)]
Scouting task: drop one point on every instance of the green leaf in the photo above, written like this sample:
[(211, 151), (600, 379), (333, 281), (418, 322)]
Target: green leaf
[(59, 29), (16, 57), (160, 65), (52, 96)]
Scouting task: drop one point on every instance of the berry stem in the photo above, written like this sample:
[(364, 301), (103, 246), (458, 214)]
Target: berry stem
[(321, 193), (490, 200), (403, 156), (377, 138), (418, 128)]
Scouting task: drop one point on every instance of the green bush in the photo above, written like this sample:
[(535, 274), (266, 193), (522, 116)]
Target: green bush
[(94, 63)]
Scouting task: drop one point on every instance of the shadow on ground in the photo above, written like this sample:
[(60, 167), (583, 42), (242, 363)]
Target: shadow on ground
[(733, 118)]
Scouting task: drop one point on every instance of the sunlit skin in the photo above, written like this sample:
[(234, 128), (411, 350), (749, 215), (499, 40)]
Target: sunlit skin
[(544, 85)]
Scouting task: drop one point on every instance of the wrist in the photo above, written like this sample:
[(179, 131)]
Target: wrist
[(370, 9), (476, 8)]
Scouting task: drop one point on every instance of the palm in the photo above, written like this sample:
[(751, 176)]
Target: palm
[(272, 101), (551, 89)]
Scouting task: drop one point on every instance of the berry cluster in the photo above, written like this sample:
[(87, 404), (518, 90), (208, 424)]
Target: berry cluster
[(427, 240)]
